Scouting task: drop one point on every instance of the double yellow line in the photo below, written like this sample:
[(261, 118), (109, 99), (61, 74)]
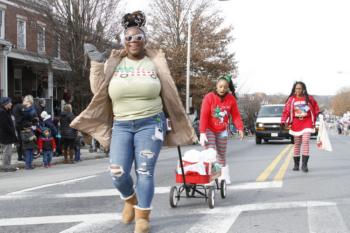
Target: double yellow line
[(287, 151)]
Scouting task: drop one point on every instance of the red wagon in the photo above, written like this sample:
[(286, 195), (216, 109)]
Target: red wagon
[(194, 185)]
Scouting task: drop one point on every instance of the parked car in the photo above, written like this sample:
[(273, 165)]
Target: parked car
[(268, 124), (195, 125)]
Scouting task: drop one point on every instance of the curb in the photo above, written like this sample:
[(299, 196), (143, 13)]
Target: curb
[(38, 162)]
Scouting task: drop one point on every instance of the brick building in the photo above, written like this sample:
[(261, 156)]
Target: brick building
[(30, 61)]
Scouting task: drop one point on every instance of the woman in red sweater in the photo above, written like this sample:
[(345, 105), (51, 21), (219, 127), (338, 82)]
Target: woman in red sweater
[(299, 114), (217, 107)]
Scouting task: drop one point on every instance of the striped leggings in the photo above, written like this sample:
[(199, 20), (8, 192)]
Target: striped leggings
[(302, 139), (218, 141)]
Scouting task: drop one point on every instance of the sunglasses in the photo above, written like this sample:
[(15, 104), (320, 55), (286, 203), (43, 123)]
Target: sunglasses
[(138, 37)]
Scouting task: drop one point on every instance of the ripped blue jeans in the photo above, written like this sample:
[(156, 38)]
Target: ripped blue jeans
[(139, 141)]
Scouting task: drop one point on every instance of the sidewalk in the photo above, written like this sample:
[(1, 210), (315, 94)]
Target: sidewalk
[(85, 155)]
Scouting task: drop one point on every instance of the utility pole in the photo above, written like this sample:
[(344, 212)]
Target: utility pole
[(188, 63)]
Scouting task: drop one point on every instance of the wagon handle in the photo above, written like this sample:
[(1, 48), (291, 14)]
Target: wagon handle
[(183, 172)]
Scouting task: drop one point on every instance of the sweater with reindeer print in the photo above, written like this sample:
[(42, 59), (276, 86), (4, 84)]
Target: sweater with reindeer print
[(216, 111)]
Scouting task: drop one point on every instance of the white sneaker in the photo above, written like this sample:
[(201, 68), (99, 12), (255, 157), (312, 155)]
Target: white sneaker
[(225, 174)]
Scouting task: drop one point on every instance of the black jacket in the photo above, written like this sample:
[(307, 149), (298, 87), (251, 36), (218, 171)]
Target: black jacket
[(27, 141), (66, 131), (7, 129), (23, 114)]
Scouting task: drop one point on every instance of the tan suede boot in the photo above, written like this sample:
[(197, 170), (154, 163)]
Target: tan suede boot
[(71, 156), (128, 214), (142, 221), (65, 155)]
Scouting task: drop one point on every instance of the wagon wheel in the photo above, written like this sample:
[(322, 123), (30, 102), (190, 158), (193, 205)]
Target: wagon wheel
[(211, 197), (174, 197), (223, 189)]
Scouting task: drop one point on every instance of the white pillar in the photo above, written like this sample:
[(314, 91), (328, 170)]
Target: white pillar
[(50, 82), (50, 87), (3, 72)]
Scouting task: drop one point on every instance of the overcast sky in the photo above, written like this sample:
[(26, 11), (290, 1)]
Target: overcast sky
[(280, 41)]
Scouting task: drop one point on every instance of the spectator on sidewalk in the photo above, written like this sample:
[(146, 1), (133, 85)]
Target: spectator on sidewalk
[(40, 107), (46, 146), (17, 113), (24, 112), (67, 96), (56, 122), (68, 134), (7, 133), (28, 111), (29, 143), (78, 143), (48, 123)]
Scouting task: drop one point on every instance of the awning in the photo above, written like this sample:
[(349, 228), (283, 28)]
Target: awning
[(27, 56), (56, 64), (5, 43)]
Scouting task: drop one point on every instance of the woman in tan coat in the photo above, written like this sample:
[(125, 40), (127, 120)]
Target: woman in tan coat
[(134, 93)]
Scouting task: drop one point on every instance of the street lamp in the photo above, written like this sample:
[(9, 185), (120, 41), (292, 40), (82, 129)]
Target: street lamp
[(188, 65)]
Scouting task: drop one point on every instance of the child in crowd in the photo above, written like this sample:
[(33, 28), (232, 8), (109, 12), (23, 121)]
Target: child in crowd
[(47, 146), (28, 144)]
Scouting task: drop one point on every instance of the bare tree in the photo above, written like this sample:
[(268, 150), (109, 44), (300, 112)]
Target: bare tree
[(249, 105), (74, 22), (340, 103), (210, 56), (276, 99)]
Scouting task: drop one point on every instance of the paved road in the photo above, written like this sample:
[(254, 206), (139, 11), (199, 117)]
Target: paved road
[(266, 196)]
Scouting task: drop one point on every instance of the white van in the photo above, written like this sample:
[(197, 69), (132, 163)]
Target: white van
[(268, 124)]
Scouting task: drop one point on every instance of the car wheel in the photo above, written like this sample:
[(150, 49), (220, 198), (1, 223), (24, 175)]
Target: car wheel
[(257, 140), (292, 140)]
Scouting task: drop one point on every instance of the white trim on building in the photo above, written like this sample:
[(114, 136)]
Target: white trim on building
[(40, 39), (10, 3), (21, 32)]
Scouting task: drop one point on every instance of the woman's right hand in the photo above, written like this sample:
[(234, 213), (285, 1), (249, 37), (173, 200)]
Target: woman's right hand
[(91, 51)]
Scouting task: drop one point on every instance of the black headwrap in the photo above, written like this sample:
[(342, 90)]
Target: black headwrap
[(134, 19)]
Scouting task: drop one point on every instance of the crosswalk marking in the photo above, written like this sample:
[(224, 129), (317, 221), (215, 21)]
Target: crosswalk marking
[(225, 217), (210, 223), (58, 219), (324, 219), (53, 184), (102, 225), (158, 190)]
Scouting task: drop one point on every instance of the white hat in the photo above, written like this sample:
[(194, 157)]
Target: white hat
[(44, 115)]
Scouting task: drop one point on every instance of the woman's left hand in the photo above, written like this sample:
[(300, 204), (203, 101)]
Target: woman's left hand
[(241, 134)]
